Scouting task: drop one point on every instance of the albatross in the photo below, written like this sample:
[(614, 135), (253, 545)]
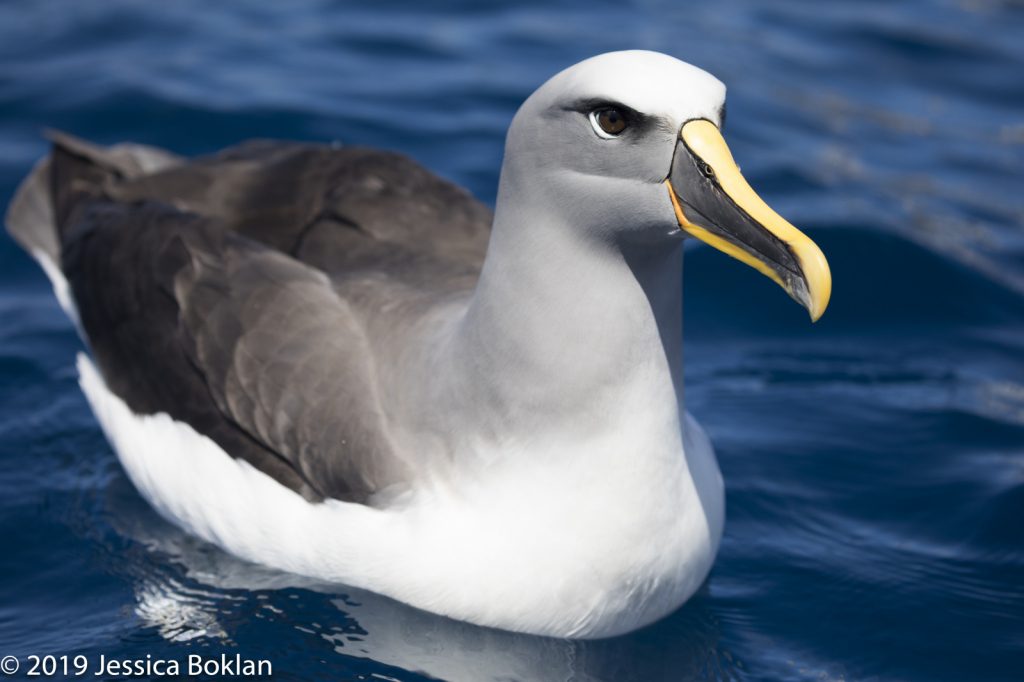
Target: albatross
[(331, 361)]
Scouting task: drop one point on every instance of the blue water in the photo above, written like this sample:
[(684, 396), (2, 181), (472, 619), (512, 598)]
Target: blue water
[(874, 462)]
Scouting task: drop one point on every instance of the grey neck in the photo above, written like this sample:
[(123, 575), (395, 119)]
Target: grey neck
[(564, 323)]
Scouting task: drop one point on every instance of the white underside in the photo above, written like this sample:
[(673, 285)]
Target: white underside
[(555, 553)]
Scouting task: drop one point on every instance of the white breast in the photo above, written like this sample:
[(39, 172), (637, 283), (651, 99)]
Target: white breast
[(567, 550)]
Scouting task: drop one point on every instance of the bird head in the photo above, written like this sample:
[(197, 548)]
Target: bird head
[(628, 146)]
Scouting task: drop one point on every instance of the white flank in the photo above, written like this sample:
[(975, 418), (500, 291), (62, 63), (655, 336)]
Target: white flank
[(569, 557)]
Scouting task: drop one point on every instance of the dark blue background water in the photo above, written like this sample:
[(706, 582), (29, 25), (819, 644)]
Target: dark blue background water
[(874, 462)]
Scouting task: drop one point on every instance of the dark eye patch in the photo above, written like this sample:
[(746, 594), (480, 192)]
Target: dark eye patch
[(637, 125)]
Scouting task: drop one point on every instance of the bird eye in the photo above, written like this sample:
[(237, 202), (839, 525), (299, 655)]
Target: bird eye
[(608, 122), (708, 170)]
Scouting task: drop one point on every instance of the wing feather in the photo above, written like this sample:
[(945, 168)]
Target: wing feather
[(209, 289)]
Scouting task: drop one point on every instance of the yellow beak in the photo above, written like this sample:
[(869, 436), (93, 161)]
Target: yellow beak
[(714, 203)]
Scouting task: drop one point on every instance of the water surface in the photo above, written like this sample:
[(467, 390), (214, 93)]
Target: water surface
[(874, 462)]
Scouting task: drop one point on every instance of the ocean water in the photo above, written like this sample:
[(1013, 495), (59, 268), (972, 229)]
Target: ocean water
[(874, 461)]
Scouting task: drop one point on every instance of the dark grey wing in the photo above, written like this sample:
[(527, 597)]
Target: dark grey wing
[(284, 358), (340, 209), (189, 287), (109, 259)]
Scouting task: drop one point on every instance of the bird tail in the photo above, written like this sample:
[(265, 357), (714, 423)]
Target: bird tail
[(75, 173)]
